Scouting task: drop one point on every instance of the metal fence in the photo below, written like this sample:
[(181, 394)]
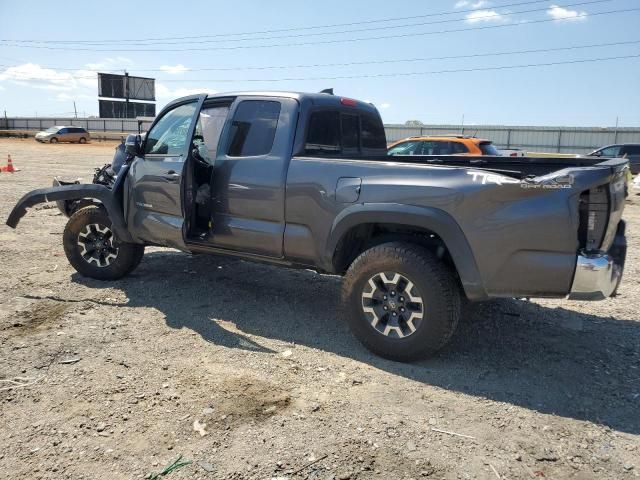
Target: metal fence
[(126, 125), (539, 139)]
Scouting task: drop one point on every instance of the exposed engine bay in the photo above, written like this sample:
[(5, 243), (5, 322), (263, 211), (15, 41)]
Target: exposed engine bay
[(105, 175)]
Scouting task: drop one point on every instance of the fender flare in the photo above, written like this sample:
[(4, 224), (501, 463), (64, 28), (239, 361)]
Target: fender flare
[(433, 219), (73, 192)]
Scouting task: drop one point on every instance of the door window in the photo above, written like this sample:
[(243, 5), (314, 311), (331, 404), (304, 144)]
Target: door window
[(254, 128), (208, 129), (610, 151), (405, 148), (169, 135)]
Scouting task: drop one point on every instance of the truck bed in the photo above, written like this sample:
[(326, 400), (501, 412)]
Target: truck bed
[(516, 167)]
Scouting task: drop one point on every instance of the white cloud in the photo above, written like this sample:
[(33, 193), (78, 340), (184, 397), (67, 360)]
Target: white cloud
[(174, 69), (43, 78), (471, 4), (163, 91), (484, 16), (31, 74), (560, 13), (384, 106)]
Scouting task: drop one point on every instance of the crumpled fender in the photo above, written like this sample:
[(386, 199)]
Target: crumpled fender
[(70, 192)]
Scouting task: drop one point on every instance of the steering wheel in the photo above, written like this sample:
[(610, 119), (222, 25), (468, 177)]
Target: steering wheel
[(195, 152)]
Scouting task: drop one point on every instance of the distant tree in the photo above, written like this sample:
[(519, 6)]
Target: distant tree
[(413, 123)]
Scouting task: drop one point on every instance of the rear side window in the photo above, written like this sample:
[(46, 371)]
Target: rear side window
[(436, 147), (372, 132), (487, 148), (324, 133), (458, 148), (254, 128), (631, 150)]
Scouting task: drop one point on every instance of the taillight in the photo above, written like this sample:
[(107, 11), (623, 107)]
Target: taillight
[(594, 218), (348, 102)]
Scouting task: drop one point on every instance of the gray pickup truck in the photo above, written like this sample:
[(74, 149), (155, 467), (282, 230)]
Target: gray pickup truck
[(303, 180)]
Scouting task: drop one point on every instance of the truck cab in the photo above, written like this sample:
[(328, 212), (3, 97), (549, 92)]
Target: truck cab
[(211, 172)]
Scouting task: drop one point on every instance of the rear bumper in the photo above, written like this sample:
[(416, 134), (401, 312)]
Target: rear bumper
[(598, 274)]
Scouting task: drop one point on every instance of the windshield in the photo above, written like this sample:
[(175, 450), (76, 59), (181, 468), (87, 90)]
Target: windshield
[(52, 130), (487, 148)]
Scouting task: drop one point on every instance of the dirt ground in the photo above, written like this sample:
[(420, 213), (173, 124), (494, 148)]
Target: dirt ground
[(110, 379)]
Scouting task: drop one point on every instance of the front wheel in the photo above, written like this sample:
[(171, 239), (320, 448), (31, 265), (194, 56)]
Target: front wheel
[(53, 140), (401, 302), (93, 250)]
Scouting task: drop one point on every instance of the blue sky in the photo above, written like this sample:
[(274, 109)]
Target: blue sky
[(49, 78)]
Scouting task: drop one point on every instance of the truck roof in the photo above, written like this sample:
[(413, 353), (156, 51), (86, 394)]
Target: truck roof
[(322, 99)]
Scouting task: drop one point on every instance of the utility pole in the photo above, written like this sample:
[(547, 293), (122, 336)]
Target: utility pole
[(462, 125), (615, 136), (126, 93), (75, 109)]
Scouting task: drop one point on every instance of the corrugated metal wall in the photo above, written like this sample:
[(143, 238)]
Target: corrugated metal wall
[(91, 124), (538, 139), (533, 139)]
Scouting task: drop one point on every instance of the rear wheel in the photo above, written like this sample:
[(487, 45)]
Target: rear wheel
[(402, 303), (53, 140), (92, 248), (82, 140)]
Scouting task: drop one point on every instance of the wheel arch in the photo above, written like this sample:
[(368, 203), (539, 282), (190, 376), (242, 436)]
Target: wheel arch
[(107, 197), (372, 224)]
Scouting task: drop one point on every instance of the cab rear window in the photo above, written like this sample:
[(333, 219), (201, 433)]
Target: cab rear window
[(333, 132)]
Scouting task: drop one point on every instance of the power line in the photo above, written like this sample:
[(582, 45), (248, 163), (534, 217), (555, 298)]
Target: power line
[(404, 74), (491, 14), (394, 74), (313, 27), (325, 42), (349, 64)]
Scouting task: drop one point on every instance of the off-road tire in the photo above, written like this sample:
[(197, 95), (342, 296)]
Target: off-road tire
[(435, 285), (127, 256)]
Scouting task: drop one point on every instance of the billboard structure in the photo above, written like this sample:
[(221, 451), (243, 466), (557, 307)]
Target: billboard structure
[(126, 96)]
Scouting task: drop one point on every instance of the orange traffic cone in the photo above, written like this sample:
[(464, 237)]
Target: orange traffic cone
[(9, 168)]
